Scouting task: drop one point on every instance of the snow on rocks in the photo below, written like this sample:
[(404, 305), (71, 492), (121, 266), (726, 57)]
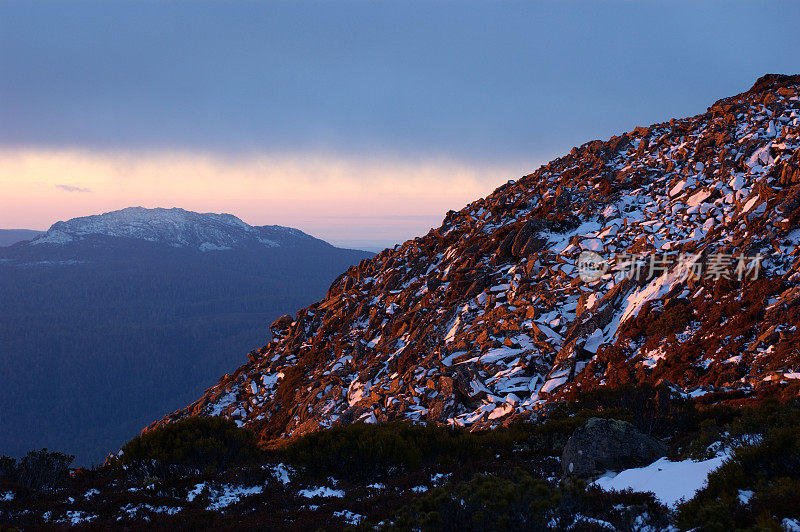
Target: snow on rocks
[(229, 494), (791, 525), (446, 327), (134, 511), (76, 517), (320, 491), (351, 518), (282, 473)]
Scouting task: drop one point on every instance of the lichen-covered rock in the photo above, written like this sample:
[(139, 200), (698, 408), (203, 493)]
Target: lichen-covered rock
[(600, 445)]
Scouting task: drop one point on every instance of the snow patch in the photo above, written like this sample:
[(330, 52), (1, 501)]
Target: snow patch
[(349, 517), (321, 491), (668, 481)]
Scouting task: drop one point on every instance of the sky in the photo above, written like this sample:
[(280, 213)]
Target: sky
[(360, 122)]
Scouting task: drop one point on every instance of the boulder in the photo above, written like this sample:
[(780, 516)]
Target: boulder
[(790, 170), (282, 323), (521, 240), (600, 445)]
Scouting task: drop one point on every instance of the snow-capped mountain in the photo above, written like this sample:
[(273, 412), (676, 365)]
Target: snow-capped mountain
[(174, 227), (150, 303), (666, 254)]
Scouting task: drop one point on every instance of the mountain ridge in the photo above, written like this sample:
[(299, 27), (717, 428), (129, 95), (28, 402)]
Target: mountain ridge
[(486, 320), (175, 227), (9, 237)]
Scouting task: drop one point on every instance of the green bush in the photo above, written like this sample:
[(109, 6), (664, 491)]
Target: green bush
[(40, 470), (770, 470), (655, 410), (363, 451), (731, 427), (192, 445), (519, 501), (487, 502), (673, 320), (8, 468)]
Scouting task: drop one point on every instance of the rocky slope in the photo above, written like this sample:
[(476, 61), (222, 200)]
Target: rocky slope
[(690, 226)]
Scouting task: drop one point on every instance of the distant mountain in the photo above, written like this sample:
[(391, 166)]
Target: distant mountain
[(174, 227), (108, 321), (12, 236)]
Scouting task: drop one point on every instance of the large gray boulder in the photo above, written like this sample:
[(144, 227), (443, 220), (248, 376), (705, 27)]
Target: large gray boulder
[(600, 445)]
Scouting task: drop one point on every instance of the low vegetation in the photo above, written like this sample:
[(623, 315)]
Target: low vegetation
[(518, 501), (760, 485), (366, 452), (190, 446), (40, 470), (399, 476)]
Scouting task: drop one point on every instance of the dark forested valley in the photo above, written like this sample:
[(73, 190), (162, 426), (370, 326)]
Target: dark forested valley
[(100, 337)]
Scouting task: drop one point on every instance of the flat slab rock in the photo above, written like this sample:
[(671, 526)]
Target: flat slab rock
[(600, 445)]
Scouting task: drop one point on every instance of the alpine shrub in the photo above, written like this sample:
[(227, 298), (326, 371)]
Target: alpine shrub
[(192, 445)]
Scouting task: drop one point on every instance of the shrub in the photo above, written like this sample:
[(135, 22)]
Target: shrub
[(519, 501), (723, 426), (192, 445), (40, 470), (8, 468), (655, 410), (673, 320), (487, 502), (770, 470), (362, 451)]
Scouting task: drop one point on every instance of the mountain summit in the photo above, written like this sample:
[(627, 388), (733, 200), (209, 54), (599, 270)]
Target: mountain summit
[(667, 254), (174, 227)]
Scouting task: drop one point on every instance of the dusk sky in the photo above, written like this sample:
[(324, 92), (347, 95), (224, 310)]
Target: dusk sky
[(361, 123)]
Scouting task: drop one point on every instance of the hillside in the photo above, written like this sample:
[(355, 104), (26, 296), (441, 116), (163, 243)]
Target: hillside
[(12, 236), (609, 343), (486, 319)]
